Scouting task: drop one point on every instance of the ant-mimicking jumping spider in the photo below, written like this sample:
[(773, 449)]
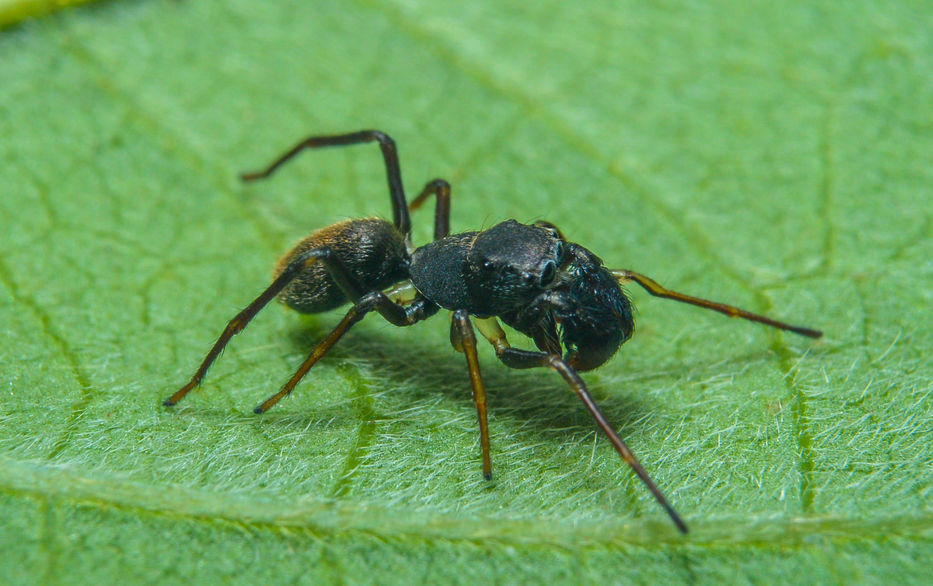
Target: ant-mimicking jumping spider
[(531, 277)]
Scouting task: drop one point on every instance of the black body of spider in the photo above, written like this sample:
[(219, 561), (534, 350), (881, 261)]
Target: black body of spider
[(554, 291)]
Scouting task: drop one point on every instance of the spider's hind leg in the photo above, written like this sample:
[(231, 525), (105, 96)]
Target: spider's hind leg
[(285, 277), (395, 313)]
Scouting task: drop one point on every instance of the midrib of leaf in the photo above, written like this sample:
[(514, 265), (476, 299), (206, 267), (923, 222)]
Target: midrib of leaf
[(328, 517)]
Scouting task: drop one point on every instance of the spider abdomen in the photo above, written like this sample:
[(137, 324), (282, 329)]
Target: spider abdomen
[(370, 249)]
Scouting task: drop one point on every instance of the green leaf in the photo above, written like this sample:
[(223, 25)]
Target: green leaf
[(777, 156)]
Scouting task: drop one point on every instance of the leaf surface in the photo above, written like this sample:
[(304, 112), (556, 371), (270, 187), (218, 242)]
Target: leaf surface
[(774, 156)]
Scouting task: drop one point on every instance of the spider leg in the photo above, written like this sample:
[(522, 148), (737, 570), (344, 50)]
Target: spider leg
[(440, 189), (515, 358), (389, 154), (655, 288), (464, 340), (240, 321), (394, 313)]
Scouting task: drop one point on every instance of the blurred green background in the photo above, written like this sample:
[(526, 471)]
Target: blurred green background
[(777, 156)]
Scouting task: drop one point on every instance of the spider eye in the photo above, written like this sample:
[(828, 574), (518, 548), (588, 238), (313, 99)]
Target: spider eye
[(559, 251), (488, 265), (548, 274)]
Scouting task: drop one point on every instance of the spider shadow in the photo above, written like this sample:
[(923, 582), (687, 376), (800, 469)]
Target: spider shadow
[(537, 397)]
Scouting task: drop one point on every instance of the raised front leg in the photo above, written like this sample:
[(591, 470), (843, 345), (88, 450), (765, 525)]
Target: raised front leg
[(389, 154), (655, 288)]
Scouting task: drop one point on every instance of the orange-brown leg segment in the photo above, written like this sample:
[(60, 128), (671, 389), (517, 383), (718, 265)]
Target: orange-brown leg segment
[(655, 288), (515, 358), (464, 339), (243, 318)]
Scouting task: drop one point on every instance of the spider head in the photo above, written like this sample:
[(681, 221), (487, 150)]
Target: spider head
[(510, 264)]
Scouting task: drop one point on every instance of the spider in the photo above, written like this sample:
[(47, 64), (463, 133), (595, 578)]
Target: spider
[(529, 276)]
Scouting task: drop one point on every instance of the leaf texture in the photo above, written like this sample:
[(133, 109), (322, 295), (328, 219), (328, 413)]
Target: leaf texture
[(776, 156)]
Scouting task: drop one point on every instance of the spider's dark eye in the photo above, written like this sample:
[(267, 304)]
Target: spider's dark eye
[(559, 251), (548, 274), (488, 265)]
